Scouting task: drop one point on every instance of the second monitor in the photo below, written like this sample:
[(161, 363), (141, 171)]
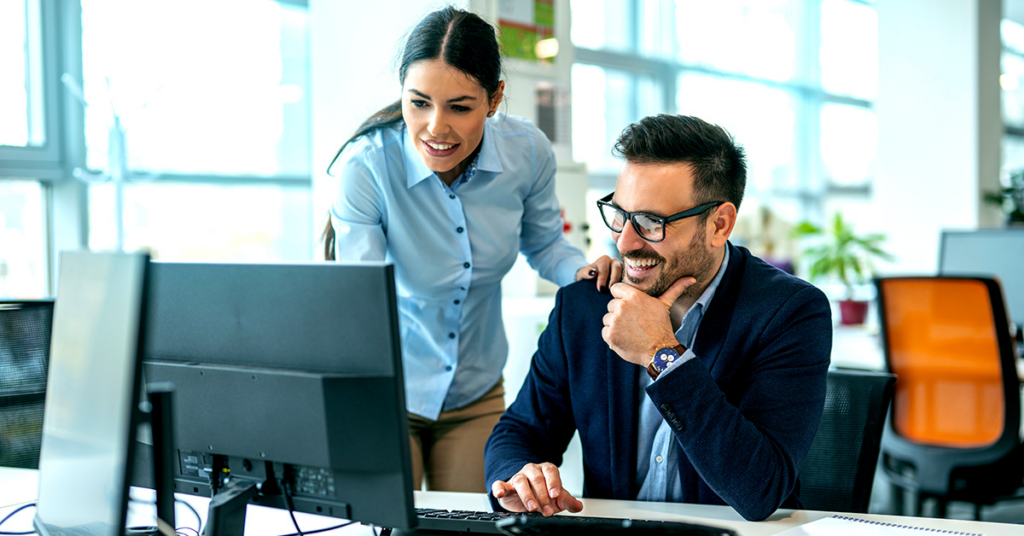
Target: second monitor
[(289, 389), (988, 252)]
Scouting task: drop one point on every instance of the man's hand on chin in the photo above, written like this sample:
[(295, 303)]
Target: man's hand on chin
[(535, 488), (638, 324)]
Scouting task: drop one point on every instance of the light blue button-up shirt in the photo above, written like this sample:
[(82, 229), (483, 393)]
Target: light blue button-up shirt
[(451, 246), (657, 459)]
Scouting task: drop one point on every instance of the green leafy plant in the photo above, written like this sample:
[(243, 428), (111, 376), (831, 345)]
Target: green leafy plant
[(1010, 198), (840, 252)]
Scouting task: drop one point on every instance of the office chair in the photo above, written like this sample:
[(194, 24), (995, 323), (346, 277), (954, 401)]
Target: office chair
[(840, 467), (24, 354), (954, 428)]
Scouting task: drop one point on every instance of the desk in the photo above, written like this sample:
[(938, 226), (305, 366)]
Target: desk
[(860, 347), (19, 486)]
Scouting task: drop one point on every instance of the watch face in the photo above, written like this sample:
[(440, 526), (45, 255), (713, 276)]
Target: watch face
[(664, 357)]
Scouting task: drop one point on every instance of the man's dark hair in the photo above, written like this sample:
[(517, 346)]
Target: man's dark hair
[(719, 165)]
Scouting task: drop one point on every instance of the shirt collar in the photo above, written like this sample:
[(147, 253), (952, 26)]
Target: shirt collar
[(488, 159), (417, 171), (691, 320), (709, 292)]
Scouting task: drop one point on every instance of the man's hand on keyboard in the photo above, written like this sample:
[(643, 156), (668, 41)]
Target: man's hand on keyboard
[(535, 488)]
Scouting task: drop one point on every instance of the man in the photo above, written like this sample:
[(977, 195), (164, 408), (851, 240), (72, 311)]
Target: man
[(701, 378)]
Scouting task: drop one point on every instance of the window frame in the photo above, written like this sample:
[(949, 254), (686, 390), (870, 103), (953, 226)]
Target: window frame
[(1010, 131), (65, 198), (64, 210), (814, 187), (44, 162)]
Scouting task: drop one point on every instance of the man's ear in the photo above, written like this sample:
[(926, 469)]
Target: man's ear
[(721, 223)]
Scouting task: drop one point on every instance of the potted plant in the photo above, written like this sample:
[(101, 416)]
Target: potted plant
[(1010, 199), (840, 253)]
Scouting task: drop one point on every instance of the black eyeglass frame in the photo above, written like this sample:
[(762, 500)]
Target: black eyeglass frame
[(665, 220)]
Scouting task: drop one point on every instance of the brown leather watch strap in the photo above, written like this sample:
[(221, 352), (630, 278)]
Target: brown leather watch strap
[(652, 370)]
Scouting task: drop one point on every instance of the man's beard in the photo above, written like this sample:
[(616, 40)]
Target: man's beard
[(696, 262)]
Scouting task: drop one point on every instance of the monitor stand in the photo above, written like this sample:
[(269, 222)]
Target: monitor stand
[(161, 422), (158, 412), (226, 516)]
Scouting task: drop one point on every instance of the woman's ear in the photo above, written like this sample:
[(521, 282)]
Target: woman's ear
[(496, 98)]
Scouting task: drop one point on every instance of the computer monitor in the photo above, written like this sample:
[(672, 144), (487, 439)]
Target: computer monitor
[(25, 327), (92, 392), (288, 386), (988, 252)]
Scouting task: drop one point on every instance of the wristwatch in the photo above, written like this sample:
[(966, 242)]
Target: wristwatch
[(662, 358)]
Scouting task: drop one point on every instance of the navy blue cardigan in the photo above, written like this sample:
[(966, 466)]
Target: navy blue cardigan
[(744, 412)]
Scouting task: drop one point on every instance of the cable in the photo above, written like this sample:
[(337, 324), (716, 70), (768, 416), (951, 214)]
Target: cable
[(215, 472), (291, 507), (318, 531), (287, 492), (10, 515), (199, 520)]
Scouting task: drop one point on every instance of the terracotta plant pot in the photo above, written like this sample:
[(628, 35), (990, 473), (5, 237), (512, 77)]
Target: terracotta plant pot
[(852, 312)]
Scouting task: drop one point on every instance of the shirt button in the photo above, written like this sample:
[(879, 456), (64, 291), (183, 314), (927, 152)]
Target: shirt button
[(465, 265), (450, 196), (458, 302), (459, 230), (448, 368), (451, 335), (659, 459)]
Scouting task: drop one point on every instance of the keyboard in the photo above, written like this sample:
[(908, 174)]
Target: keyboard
[(535, 524), (460, 520)]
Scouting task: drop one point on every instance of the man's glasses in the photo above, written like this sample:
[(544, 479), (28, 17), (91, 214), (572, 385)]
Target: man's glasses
[(650, 227)]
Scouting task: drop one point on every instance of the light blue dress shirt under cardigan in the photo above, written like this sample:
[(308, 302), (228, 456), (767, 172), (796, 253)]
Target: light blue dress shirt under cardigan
[(451, 246), (657, 461)]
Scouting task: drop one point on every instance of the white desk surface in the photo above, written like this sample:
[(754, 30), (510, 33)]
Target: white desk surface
[(860, 347), (18, 486)]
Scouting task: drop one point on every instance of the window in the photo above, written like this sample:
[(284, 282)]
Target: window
[(849, 140), (598, 25), (29, 152), (23, 244), (1012, 83), (792, 80), (21, 91), (211, 98), (762, 118), (849, 49), (754, 38), (206, 222), (612, 98)]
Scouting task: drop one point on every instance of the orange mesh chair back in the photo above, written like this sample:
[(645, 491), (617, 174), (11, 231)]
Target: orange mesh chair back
[(954, 428), (942, 346)]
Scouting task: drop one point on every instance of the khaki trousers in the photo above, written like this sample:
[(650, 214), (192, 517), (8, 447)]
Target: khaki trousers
[(450, 450)]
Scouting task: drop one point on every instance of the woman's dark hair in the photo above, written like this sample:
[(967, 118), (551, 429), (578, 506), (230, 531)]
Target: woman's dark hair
[(719, 165), (460, 38)]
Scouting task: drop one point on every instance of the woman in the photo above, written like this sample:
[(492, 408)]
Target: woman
[(450, 191)]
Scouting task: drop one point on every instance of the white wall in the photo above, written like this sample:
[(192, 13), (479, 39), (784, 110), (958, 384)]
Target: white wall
[(354, 50), (939, 123)]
